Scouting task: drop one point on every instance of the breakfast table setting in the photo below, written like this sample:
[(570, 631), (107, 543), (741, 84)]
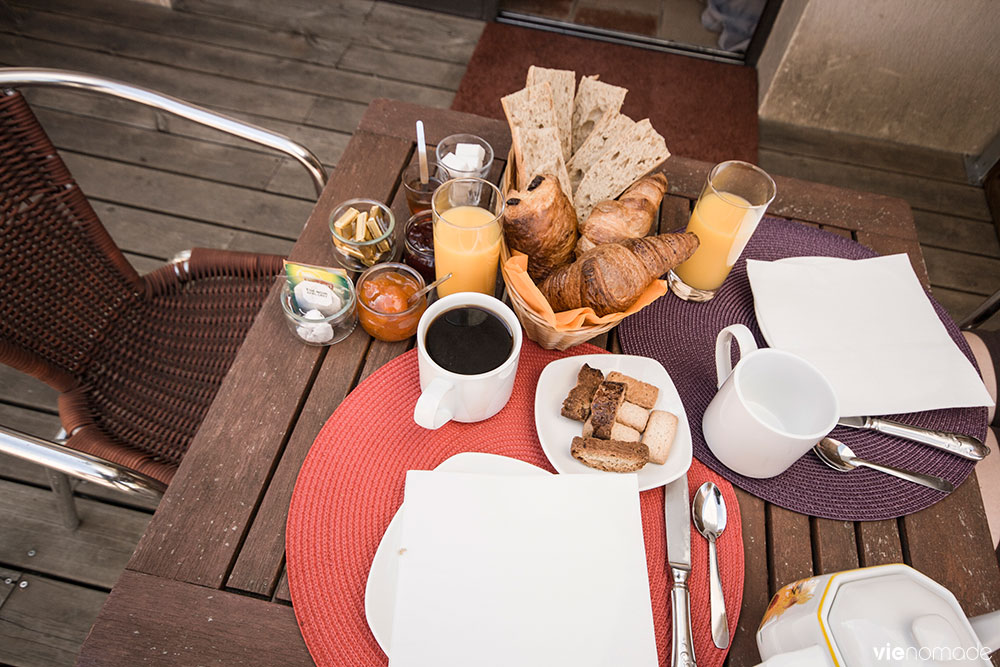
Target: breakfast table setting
[(412, 462)]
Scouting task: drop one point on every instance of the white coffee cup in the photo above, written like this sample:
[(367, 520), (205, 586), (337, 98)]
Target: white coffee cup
[(770, 410), (448, 396)]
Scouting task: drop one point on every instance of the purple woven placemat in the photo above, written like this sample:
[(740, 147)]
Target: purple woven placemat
[(681, 336)]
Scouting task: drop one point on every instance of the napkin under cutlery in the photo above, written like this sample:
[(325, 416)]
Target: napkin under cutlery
[(869, 327), (499, 570)]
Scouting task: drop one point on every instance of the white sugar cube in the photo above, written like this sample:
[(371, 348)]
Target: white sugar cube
[(320, 332), (456, 163), (314, 315), (474, 154)]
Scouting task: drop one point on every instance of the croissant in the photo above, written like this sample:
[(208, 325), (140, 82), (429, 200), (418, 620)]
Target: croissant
[(630, 216), (610, 277), (540, 222)]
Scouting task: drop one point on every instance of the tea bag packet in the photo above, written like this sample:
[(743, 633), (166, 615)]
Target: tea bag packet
[(317, 294)]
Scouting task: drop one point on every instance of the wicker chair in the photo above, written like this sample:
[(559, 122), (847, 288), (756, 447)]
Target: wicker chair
[(137, 359)]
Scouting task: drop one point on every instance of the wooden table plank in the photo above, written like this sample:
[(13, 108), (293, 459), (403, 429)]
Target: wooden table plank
[(789, 547), (150, 620), (835, 547), (879, 543), (949, 543), (756, 594), (396, 119)]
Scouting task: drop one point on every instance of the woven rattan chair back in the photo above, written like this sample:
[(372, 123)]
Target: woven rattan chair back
[(137, 360), (63, 280)]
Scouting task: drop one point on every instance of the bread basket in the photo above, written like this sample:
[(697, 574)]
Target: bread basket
[(536, 328)]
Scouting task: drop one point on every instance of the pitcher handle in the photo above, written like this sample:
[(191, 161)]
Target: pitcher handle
[(723, 343)]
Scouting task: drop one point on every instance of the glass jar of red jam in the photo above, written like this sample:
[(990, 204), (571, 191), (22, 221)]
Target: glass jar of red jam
[(383, 294), (418, 244)]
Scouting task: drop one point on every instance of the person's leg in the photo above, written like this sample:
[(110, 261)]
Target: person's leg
[(986, 350)]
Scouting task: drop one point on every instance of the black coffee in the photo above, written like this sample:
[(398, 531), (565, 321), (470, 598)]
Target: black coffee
[(468, 340)]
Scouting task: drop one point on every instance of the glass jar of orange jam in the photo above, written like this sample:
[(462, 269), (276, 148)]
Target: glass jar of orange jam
[(383, 294)]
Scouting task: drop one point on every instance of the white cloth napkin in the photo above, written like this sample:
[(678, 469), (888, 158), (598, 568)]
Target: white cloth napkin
[(499, 570), (869, 327)]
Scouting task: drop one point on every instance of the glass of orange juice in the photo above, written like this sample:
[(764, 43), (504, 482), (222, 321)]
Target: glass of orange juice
[(467, 230), (731, 204)]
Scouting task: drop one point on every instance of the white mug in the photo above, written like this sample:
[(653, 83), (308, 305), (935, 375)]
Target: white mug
[(448, 396), (769, 411)]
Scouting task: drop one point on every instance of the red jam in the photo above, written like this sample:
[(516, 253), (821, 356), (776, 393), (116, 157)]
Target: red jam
[(384, 311), (418, 242)]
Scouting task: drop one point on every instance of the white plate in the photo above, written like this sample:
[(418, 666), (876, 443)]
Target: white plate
[(380, 592), (556, 432)]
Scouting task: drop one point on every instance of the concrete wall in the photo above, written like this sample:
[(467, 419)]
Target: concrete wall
[(920, 72)]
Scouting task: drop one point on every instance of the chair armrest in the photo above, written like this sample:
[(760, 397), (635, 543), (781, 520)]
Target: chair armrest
[(19, 77), (78, 464)]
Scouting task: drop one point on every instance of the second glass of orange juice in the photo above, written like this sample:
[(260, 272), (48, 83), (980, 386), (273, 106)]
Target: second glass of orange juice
[(731, 204), (468, 216)]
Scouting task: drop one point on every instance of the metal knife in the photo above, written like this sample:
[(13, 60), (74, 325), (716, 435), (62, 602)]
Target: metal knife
[(956, 443), (677, 513)]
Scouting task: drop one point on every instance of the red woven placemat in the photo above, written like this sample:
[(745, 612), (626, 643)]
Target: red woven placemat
[(351, 485)]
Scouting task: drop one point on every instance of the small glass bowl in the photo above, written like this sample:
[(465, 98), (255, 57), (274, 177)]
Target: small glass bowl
[(416, 252), (448, 145), (325, 331), (390, 326), (360, 255)]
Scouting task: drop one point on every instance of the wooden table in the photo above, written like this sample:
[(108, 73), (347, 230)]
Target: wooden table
[(207, 583)]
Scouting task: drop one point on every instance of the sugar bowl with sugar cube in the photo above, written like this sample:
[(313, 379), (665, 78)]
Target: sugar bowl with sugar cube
[(320, 304), (464, 155), (363, 233)]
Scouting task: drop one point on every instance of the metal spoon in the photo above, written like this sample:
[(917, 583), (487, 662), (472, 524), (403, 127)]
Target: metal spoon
[(415, 297), (839, 456), (708, 510)]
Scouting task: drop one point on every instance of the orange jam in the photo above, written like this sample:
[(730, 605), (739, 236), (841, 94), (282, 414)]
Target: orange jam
[(384, 311)]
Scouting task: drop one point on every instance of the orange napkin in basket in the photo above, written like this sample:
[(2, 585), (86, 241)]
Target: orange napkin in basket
[(516, 270)]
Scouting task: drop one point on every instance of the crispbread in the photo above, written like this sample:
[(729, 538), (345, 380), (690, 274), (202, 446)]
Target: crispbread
[(641, 150), (541, 154), (529, 108), (593, 99), (610, 455), (563, 84), (607, 132), (619, 431)]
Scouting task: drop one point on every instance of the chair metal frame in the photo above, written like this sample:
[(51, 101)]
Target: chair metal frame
[(62, 462)]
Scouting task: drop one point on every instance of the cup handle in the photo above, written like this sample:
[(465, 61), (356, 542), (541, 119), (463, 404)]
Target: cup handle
[(723, 344), (430, 411)]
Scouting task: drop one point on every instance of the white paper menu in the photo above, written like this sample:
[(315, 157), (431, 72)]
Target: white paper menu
[(528, 571)]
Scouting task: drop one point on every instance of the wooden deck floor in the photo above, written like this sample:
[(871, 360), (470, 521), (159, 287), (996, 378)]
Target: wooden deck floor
[(307, 69)]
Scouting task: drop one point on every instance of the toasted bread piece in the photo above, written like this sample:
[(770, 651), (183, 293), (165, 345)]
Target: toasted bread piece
[(640, 150), (528, 108), (610, 455), (632, 415), (619, 431), (661, 429), (540, 155), (607, 133), (641, 393), (593, 99), (563, 84), (577, 403), (604, 408)]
